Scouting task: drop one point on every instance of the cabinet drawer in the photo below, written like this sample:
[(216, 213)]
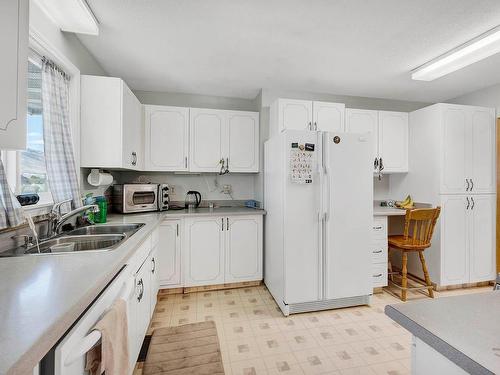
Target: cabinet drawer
[(379, 228), (379, 275), (379, 252)]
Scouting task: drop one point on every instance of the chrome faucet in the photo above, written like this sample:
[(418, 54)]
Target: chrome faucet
[(57, 220)]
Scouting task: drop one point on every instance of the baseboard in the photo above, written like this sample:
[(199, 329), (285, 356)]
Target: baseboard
[(204, 288)]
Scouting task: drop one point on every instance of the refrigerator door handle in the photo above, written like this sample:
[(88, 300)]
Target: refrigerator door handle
[(327, 195)]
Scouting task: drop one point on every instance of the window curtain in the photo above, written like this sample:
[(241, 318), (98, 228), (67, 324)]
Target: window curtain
[(11, 213), (59, 156)]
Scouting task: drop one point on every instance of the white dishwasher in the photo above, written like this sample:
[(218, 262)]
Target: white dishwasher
[(69, 355)]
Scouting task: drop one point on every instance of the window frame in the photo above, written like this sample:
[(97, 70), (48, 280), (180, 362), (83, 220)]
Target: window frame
[(39, 46)]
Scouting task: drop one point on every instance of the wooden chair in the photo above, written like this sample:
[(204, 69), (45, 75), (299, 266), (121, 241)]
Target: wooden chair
[(418, 229)]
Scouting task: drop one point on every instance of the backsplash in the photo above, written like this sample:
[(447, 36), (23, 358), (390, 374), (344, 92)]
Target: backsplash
[(210, 185)]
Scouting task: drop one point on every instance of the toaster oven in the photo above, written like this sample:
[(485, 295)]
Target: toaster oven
[(131, 198)]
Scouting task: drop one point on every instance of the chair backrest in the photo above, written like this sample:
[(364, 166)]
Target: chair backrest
[(419, 225)]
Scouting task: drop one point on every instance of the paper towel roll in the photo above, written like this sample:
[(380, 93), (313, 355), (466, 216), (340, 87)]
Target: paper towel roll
[(96, 178)]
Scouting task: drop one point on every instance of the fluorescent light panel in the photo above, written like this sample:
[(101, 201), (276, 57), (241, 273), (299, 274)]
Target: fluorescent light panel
[(74, 16), (473, 51)]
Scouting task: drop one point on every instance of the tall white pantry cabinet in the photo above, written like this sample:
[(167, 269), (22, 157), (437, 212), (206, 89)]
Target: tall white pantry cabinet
[(454, 167)]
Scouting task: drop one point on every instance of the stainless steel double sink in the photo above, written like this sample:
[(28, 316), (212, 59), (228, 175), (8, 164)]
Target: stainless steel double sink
[(100, 237)]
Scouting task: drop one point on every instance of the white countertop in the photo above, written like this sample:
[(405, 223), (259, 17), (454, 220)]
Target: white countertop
[(221, 211), (464, 329), (41, 296), (387, 211)]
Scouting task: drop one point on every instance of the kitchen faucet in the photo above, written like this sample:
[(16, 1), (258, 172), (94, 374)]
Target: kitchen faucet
[(57, 220)]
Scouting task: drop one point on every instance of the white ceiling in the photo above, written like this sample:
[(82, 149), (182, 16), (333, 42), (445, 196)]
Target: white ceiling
[(235, 47)]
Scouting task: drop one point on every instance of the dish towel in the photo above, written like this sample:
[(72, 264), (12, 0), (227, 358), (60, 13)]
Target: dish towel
[(111, 354)]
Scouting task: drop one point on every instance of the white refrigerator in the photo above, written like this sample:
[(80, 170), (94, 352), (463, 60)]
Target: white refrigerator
[(318, 194)]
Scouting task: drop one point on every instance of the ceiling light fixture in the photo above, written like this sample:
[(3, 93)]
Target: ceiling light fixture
[(477, 49)]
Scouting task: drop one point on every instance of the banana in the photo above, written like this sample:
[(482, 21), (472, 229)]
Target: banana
[(406, 204)]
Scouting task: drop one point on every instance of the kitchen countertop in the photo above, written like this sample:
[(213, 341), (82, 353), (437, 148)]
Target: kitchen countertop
[(41, 296), (221, 211), (387, 211), (464, 328)]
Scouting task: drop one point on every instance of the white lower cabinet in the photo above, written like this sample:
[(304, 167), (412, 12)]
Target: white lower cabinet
[(243, 248), (169, 254), (467, 239), (220, 250), (204, 251)]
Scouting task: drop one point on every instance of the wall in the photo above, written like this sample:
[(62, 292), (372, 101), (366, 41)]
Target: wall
[(208, 184), (197, 101), (488, 97), (65, 43), (267, 97)]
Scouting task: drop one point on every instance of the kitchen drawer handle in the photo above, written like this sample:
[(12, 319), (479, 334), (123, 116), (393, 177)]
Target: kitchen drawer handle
[(468, 203), (377, 275), (134, 158), (141, 294), (471, 185), (378, 227), (467, 181), (473, 203), (377, 251)]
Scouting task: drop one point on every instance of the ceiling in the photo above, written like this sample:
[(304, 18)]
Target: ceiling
[(236, 47)]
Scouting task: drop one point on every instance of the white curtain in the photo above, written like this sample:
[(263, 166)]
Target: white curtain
[(11, 213), (59, 156)]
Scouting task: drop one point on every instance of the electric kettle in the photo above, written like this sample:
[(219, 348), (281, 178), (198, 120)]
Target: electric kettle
[(193, 199)]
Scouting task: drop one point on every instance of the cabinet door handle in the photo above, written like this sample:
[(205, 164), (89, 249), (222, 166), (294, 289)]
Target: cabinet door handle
[(375, 164), (309, 125), (315, 125), (380, 165), (227, 223), (377, 275), (377, 251), (471, 184), (177, 229), (185, 162), (378, 227), (140, 283), (473, 203), (227, 165), (154, 265), (468, 186), (222, 220), (468, 203), (134, 158)]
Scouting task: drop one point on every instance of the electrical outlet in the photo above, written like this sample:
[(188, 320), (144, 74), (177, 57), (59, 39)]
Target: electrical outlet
[(226, 189), (172, 189)]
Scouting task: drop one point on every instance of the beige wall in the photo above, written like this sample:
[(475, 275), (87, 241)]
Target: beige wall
[(488, 97)]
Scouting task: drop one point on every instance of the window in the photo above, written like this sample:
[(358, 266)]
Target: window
[(26, 169)]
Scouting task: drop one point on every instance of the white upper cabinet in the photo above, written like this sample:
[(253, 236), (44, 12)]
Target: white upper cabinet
[(363, 121), (390, 137), (221, 140), (243, 141), (167, 138), (13, 88), (328, 117), (482, 150), (454, 155), (468, 150), (207, 139), (293, 114), (393, 140), (111, 124)]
